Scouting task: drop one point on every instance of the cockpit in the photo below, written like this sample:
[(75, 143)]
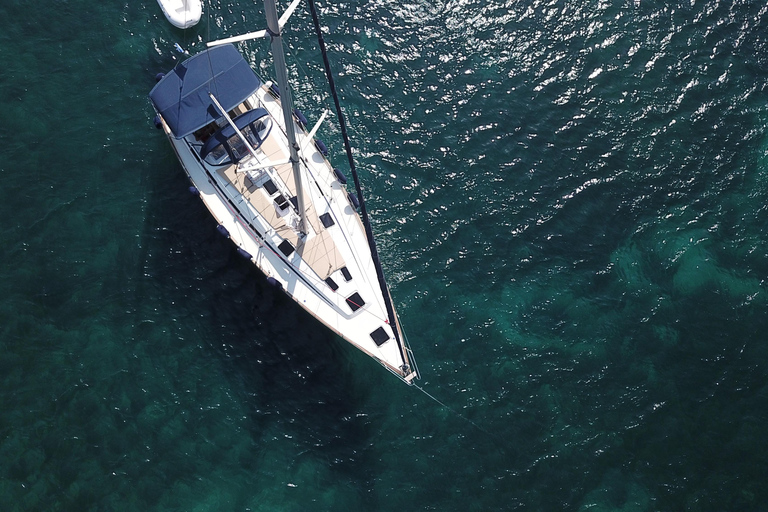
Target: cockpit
[(226, 147)]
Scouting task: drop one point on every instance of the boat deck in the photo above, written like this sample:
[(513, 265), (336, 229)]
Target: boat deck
[(317, 249), (255, 203)]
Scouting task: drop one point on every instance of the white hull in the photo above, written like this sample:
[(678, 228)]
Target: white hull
[(302, 276), (182, 13)]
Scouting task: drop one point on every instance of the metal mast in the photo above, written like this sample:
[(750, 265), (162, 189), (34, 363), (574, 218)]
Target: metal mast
[(281, 73)]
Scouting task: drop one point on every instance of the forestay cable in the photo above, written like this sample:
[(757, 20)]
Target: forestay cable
[(457, 413), (358, 189)]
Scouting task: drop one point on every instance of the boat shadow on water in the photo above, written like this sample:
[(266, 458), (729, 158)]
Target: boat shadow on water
[(290, 374)]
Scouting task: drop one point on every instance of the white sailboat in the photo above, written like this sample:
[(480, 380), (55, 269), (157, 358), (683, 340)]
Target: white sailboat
[(268, 183), (182, 13)]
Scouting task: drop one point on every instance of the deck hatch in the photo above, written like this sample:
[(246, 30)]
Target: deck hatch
[(286, 247), (380, 336), (355, 302), (281, 202), (270, 187)]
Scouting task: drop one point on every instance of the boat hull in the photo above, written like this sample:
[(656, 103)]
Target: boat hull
[(182, 13), (297, 277)]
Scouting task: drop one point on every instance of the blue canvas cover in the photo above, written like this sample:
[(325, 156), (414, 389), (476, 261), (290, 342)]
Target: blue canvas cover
[(181, 97)]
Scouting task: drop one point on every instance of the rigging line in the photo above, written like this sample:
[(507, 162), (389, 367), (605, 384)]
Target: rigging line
[(364, 212), (478, 427)]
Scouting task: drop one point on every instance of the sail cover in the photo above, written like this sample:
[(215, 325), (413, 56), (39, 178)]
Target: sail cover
[(181, 97)]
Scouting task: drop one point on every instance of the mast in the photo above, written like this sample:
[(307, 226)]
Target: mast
[(281, 73)]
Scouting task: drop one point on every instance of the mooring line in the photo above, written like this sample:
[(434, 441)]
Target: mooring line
[(478, 427)]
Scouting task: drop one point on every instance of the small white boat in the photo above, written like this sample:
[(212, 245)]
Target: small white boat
[(182, 13)]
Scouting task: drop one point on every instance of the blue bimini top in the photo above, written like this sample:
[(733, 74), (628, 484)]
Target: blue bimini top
[(181, 97)]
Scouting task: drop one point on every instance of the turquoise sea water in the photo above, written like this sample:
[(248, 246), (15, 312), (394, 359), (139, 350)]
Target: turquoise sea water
[(569, 201)]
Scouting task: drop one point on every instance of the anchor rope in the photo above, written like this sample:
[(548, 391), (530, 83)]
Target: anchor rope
[(457, 413)]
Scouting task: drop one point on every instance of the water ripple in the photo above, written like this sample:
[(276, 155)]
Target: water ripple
[(569, 203)]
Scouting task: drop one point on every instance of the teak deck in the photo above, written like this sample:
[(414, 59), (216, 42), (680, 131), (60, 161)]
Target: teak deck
[(317, 250)]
